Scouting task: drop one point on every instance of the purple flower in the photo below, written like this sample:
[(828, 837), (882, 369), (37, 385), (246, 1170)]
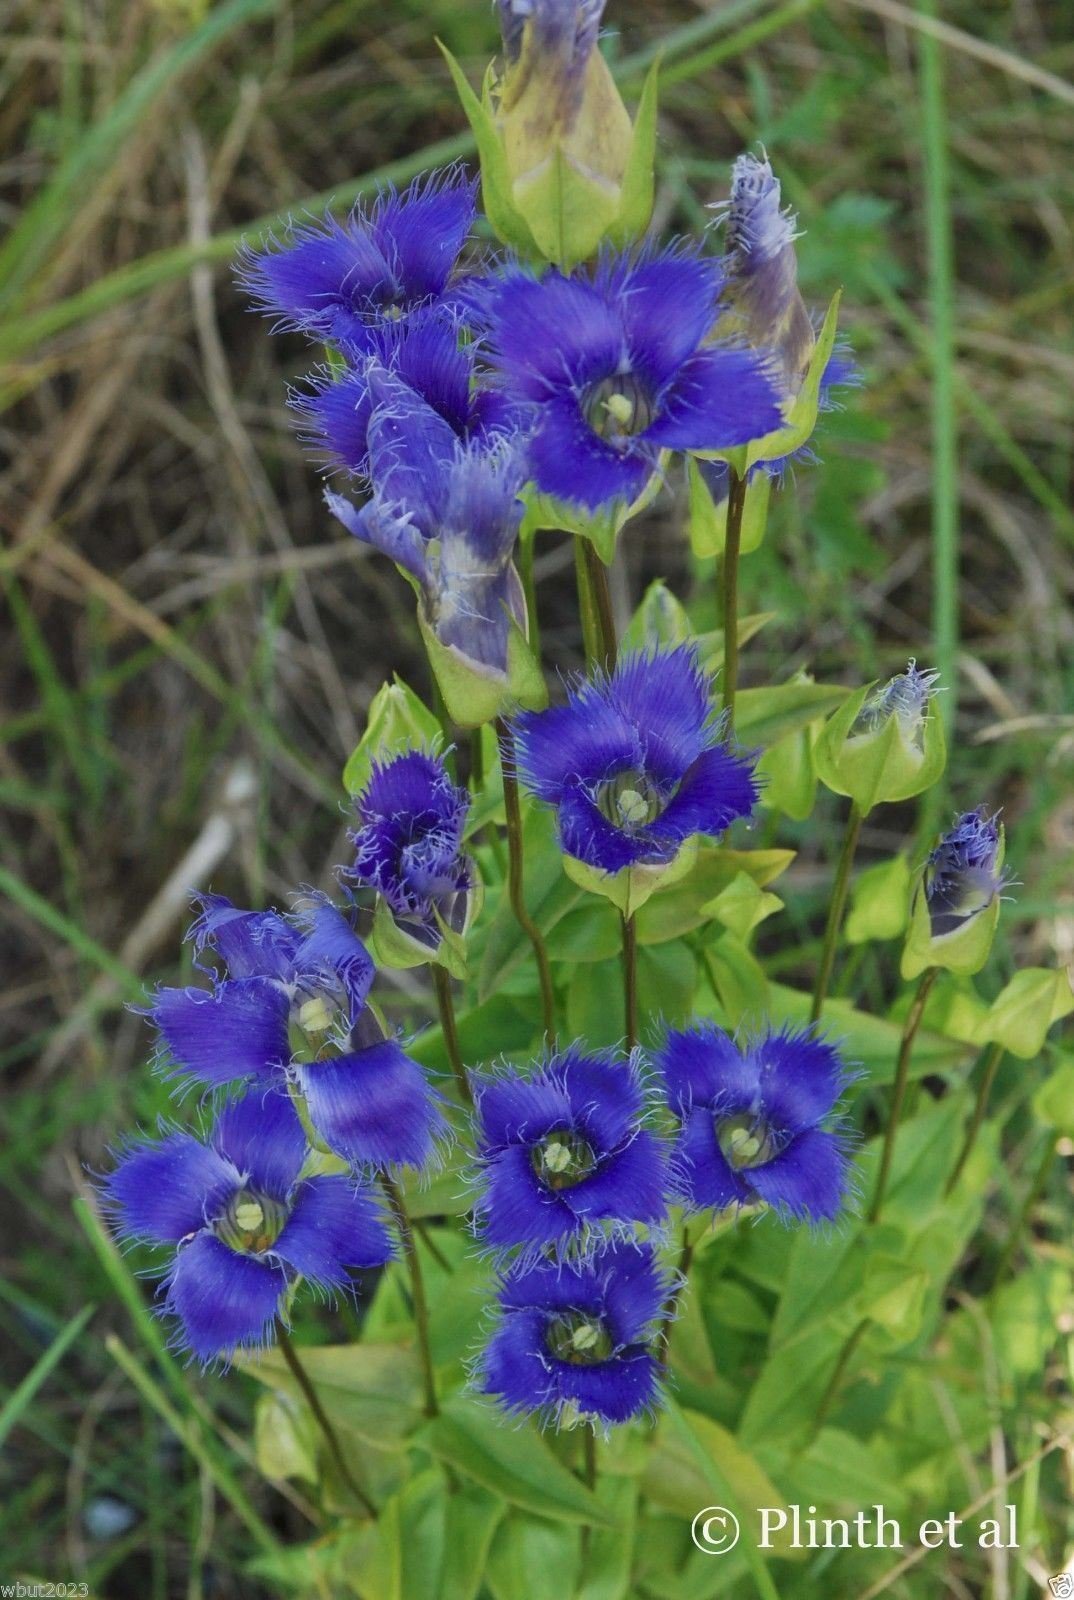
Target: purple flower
[(962, 875), (448, 514), (576, 1337), (408, 844), (291, 1008), (338, 281), (634, 763), (557, 34), (617, 367), (751, 1121), (563, 1149), (242, 1225)]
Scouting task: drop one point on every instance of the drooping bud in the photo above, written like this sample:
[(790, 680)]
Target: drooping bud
[(884, 743), (956, 904), (762, 269), (562, 168)]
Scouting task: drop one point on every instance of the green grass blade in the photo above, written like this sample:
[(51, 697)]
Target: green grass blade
[(49, 917), (20, 1397)]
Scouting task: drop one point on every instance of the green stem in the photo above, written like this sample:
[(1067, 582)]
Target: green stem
[(902, 1075), (590, 1445), (1036, 1188), (516, 880), (736, 504), (587, 610), (663, 1339), (984, 1089), (526, 550), (417, 1292), (446, 1007), (313, 1400), (835, 1382), (630, 979), (836, 908), (597, 574)]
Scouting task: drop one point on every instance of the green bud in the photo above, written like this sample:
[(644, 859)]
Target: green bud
[(395, 943), (474, 693), (397, 720), (876, 749)]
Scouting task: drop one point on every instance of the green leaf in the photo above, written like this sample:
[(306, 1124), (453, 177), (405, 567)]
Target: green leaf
[(661, 619), (549, 893), (1022, 1013), (286, 1437), (871, 1042), (533, 1560), (789, 771), (883, 764), (472, 693), (369, 1389), (742, 905), (738, 981), (893, 1297), (397, 720), (1053, 1102), (473, 1515), (675, 912), (608, 1556), (879, 901), (511, 1461), (630, 889), (764, 716)]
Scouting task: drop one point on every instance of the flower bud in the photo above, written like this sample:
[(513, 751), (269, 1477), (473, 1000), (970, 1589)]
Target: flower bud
[(562, 168), (884, 744), (955, 907), (762, 292)]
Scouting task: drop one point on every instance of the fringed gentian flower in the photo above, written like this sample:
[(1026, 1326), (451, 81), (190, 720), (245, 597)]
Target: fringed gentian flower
[(616, 365), (962, 875), (420, 358), (752, 1121), (575, 1338), (337, 281), (448, 514), (242, 1224), (292, 1008), (408, 844), (554, 39), (634, 763), (563, 1152), (905, 697)]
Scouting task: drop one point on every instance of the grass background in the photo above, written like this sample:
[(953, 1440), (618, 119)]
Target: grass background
[(190, 643)]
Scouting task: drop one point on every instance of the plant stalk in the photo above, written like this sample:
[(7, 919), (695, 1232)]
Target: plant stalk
[(313, 1400), (902, 1075), (835, 1382), (516, 879), (984, 1089), (686, 1256), (836, 910), (445, 1004), (630, 979), (736, 504), (417, 1292), (597, 574)]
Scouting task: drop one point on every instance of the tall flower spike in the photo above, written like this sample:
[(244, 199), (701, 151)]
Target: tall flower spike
[(563, 1152), (575, 1338), (751, 1122), (448, 514), (617, 369), (241, 1223), (340, 281), (291, 1008), (408, 846), (635, 764)]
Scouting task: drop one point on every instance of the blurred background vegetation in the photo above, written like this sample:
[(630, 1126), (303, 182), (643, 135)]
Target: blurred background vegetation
[(190, 643)]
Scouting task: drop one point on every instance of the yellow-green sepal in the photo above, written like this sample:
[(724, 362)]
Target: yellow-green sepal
[(742, 905), (638, 185), (475, 696), (397, 720), (882, 765), (630, 889), (708, 518), (800, 414), (505, 219), (601, 528), (1022, 1013)]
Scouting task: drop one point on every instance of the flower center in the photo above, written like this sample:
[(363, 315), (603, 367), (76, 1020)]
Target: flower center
[(630, 801), (578, 1339), (252, 1222), (745, 1141), (618, 407), (562, 1160)]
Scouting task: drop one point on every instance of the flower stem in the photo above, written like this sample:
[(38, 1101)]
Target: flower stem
[(417, 1292), (835, 1382), (515, 877), (836, 908), (1036, 1188), (587, 610), (597, 574), (446, 1007), (902, 1074), (630, 979), (984, 1089), (736, 504), (686, 1255), (526, 550), (312, 1399), (590, 1446)]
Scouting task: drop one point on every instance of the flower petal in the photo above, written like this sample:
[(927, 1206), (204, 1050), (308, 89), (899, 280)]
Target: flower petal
[(613, 1390), (223, 1300), (237, 1030), (801, 1078), (251, 944), (702, 1065), (550, 335), (331, 950), (374, 1106), (334, 1226), (516, 1109), (628, 1186), (668, 699), (705, 1176), (422, 230), (515, 1208), (719, 788), (572, 463), (669, 305), (605, 1095), (721, 397), (262, 1136), (161, 1192), (588, 739), (808, 1179), (320, 278)]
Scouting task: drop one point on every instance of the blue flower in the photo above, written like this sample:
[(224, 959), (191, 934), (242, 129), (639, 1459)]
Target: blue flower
[(408, 843), (421, 357), (962, 875), (242, 1225), (291, 1008), (751, 1120), (575, 1338), (563, 1149), (618, 369), (634, 763), (337, 281), (555, 37), (448, 514)]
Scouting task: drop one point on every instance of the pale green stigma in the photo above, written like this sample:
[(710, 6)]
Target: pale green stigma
[(315, 1015)]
